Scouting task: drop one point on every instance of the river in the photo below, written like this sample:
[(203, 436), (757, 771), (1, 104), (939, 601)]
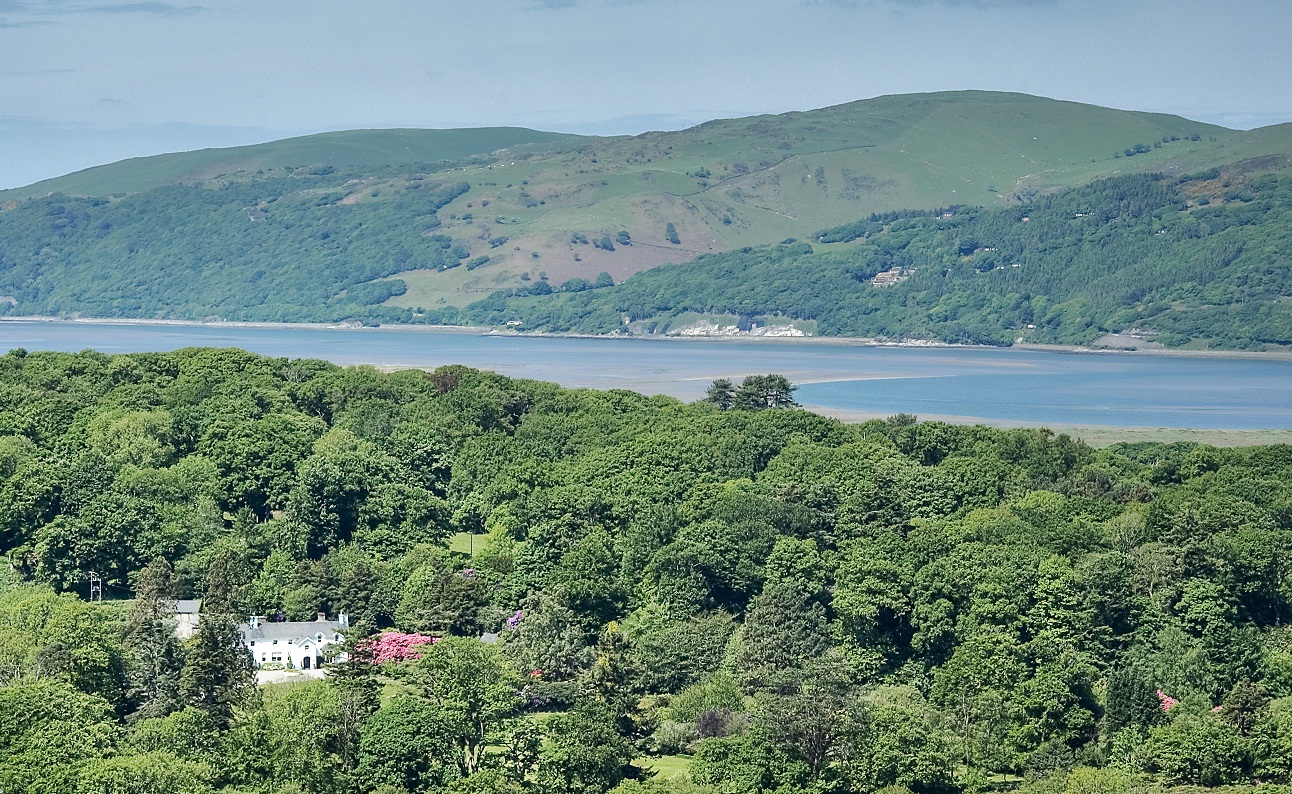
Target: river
[(999, 386)]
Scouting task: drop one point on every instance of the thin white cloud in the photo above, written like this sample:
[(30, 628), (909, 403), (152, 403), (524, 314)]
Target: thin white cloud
[(38, 11)]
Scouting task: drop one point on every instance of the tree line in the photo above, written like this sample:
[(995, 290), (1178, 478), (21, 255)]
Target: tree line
[(732, 595)]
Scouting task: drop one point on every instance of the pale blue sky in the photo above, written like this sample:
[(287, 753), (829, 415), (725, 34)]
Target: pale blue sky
[(84, 82)]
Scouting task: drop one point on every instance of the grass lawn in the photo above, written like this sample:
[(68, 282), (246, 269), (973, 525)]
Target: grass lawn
[(666, 767), (465, 542)]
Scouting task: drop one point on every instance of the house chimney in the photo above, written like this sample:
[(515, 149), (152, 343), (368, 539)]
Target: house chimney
[(322, 616), (344, 620), (253, 621)]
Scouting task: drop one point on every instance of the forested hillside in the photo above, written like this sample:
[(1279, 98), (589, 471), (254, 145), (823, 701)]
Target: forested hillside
[(289, 230), (689, 598), (285, 249), (1202, 259)]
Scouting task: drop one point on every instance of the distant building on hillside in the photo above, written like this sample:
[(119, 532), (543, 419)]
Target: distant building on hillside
[(293, 644)]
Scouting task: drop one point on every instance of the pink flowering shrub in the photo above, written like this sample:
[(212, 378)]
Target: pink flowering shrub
[(393, 646), (1167, 701)]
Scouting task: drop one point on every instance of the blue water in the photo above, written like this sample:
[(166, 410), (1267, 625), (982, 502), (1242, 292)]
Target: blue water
[(1003, 386)]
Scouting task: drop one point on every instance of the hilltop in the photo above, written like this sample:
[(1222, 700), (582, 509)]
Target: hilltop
[(401, 225), (348, 149)]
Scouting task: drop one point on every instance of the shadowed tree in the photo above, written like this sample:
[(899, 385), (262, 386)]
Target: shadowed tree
[(757, 392), (153, 654)]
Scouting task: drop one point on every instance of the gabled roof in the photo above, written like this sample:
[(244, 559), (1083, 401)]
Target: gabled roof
[(291, 630), (188, 606)]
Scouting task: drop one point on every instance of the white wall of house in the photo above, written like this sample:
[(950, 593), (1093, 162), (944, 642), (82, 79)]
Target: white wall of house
[(299, 653)]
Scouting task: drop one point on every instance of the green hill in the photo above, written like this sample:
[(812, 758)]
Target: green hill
[(400, 225), (1196, 261), (348, 149)]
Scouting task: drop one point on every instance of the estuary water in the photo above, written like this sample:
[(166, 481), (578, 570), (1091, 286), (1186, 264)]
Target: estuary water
[(999, 386)]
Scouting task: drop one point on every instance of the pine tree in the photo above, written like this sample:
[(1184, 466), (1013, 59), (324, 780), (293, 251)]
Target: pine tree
[(721, 393), (153, 654), (786, 628), (218, 672), (757, 392)]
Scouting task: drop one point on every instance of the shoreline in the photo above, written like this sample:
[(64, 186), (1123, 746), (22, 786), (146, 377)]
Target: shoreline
[(1095, 435), (853, 341), (343, 326), (683, 385)]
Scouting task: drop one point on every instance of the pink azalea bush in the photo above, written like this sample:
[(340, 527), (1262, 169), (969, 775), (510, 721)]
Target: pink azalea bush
[(1167, 701), (393, 646)]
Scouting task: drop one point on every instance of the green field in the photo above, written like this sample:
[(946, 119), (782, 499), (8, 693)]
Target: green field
[(667, 767)]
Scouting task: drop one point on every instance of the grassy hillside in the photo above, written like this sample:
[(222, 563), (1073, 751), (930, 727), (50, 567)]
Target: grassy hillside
[(1196, 261), (340, 150), (732, 183), (335, 223)]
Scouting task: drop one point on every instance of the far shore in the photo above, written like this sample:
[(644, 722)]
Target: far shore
[(1094, 435), (691, 387), (859, 341)]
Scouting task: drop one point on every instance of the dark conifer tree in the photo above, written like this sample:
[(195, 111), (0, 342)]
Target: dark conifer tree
[(218, 673), (153, 653)]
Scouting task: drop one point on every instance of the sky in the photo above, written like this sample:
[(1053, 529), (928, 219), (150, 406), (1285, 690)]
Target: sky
[(85, 82)]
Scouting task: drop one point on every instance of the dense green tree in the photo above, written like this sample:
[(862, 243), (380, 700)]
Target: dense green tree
[(1197, 748), (764, 391), (584, 754), (294, 737), (474, 690), (548, 637), (408, 744), (49, 637), (722, 393), (785, 629), (47, 730)]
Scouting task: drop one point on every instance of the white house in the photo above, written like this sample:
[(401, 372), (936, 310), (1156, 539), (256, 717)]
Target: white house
[(293, 644)]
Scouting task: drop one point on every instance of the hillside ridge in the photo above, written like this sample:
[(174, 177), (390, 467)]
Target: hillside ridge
[(409, 225)]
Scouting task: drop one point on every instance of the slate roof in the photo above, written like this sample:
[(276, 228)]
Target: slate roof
[(291, 630), (187, 606)]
